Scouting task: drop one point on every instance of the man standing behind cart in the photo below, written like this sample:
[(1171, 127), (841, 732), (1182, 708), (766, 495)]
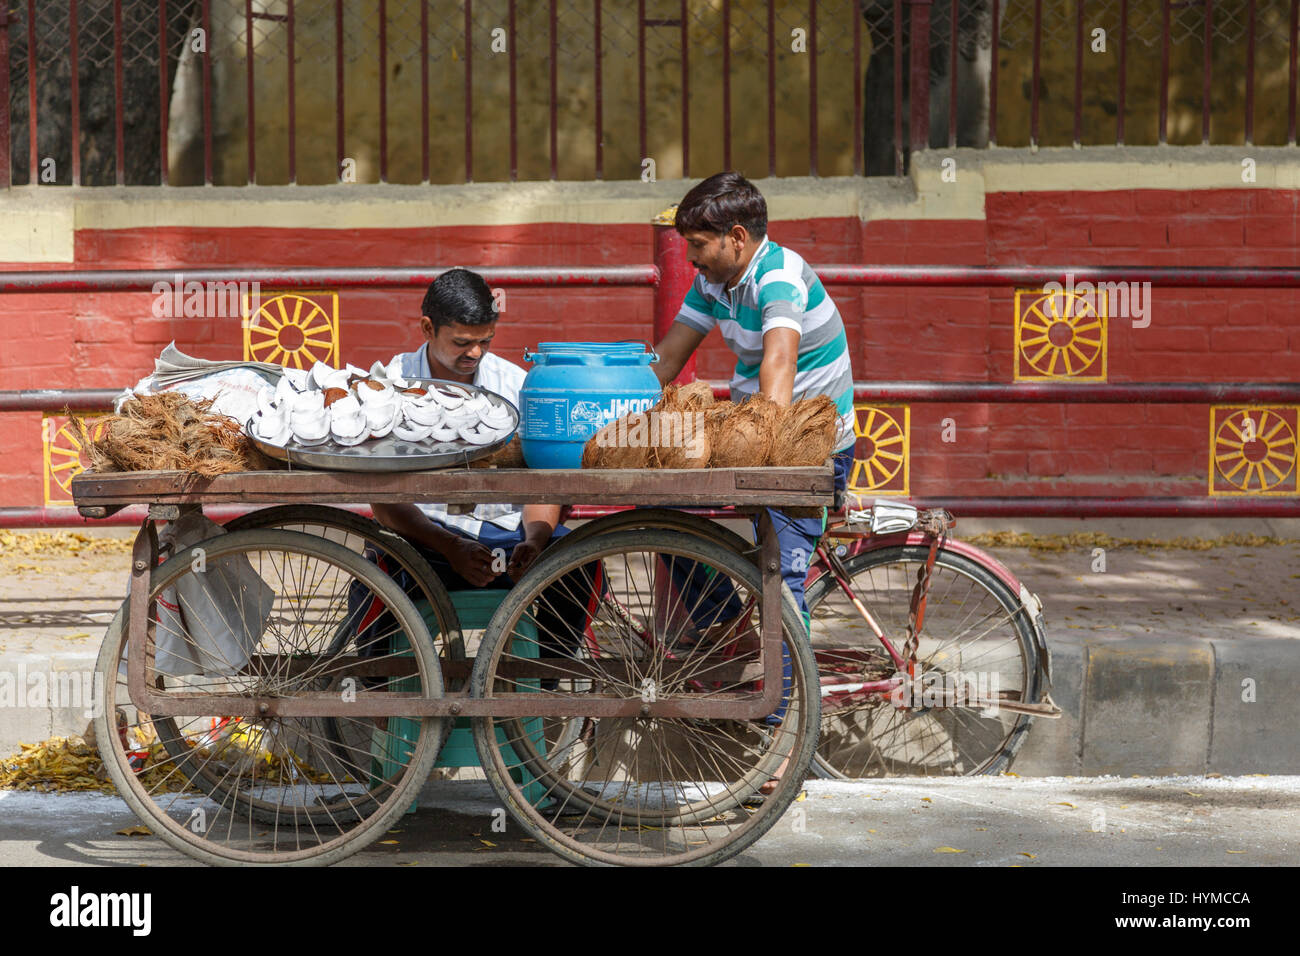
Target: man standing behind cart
[(776, 317), (458, 322)]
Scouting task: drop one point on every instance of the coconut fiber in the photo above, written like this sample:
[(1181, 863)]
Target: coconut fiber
[(169, 432), (743, 439), (805, 433)]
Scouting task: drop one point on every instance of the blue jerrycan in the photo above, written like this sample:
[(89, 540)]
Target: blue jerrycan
[(576, 388)]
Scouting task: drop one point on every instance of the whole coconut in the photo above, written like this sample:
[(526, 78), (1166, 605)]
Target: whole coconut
[(805, 433), (744, 438), (620, 444)]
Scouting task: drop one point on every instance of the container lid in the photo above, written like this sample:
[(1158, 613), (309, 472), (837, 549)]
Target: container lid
[(630, 345)]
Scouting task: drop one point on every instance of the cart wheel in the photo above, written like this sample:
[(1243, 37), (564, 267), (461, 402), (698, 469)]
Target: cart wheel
[(661, 518), (267, 608), (356, 533), (671, 617), (974, 631)]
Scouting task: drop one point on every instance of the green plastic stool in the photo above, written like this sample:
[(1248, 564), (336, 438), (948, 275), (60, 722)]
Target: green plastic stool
[(475, 610)]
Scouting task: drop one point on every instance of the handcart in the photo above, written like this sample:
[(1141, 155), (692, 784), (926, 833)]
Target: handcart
[(275, 694)]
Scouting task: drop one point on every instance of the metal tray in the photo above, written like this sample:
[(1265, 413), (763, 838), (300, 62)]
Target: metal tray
[(390, 453)]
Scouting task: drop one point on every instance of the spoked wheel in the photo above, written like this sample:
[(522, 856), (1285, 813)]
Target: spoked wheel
[(395, 556), (260, 613), (357, 533), (662, 518), (977, 642), (670, 618)]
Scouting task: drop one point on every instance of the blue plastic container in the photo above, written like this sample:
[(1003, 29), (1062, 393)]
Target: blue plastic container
[(576, 388)]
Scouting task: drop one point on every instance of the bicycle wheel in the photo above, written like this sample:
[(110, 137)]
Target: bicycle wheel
[(260, 612), (634, 790), (976, 640)]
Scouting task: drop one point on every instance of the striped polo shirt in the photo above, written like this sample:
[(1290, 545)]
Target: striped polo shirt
[(779, 290)]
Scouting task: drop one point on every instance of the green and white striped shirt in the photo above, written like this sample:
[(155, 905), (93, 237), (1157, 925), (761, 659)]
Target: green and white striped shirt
[(779, 290)]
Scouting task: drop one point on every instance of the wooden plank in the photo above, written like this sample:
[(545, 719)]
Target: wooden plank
[(691, 487)]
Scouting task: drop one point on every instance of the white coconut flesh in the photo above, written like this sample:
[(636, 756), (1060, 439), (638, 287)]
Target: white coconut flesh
[(374, 407), (407, 430)]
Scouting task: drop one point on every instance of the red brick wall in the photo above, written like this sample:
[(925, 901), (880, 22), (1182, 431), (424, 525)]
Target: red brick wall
[(110, 340)]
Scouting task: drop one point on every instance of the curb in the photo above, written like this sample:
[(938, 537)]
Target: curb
[(1158, 708), (1152, 708)]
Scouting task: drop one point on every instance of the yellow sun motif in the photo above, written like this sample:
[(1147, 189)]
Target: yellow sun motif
[(1253, 450), (63, 450), (881, 460), (1060, 336), (293, 329)]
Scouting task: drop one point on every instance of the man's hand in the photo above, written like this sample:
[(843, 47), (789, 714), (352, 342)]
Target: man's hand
[(471, 560), (522, 558), (539, 523), (678, 345)]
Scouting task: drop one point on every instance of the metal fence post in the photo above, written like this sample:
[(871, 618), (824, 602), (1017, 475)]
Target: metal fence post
[(919, 84), (4, 99)]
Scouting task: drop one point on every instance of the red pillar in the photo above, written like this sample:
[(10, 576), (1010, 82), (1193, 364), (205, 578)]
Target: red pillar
[(675, 278)]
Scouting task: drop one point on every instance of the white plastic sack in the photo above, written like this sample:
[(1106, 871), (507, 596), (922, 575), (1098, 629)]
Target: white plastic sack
[(233, 391), (211, 620)]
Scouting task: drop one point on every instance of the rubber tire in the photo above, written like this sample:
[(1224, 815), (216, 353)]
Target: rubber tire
[(804, 667), (825, 584), (424, 756)]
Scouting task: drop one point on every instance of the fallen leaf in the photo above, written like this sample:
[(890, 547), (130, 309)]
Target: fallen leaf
[(388, 842), (487, 843), (801, 864), (803, 795), (408, 863), (871, 831), (1030, 855), (135, 831), (947, 849), (1191, 793), (981, 828), (1234, 851), (1064, 803), (926, 800)]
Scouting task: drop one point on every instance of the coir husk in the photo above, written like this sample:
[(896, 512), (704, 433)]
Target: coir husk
[(743, 439), (678, 439), (805, 433), (169, 432), (623, 443)]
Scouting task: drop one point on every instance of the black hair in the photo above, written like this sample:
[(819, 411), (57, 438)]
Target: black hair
[(720, 202), (461, 296)]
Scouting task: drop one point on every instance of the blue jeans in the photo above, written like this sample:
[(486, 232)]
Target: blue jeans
[(712, 600)]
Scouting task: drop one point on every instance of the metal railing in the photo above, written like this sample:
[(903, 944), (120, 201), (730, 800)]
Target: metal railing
[(670, 278), (856, 60)]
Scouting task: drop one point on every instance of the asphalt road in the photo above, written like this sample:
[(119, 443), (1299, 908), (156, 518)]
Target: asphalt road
[(993, 822)]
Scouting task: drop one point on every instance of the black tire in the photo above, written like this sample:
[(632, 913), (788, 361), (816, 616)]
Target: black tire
[(668, 519), (970, 611), (720, 765), (346, 814)]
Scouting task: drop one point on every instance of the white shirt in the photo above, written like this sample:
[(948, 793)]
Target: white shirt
[(496, 375)]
